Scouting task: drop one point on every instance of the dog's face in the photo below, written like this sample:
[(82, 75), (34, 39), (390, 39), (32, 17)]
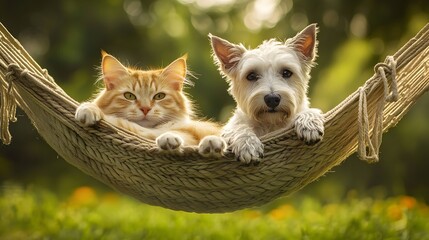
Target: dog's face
[(269, 83)]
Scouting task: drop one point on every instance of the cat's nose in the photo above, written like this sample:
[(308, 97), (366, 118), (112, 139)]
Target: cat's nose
[(145, 110), (272, 100)]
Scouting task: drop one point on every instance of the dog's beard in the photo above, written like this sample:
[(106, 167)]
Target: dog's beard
[(280, 115)]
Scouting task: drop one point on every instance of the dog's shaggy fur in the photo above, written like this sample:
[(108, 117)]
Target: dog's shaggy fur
[(269, 84)]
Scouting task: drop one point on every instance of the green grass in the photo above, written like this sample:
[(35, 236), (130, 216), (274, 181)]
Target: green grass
[(29, 213)]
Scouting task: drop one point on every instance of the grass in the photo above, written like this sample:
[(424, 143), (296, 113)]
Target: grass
[(30, 213)]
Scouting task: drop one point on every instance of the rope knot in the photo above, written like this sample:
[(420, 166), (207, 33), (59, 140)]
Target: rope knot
[(13, 68), (389, 66), (14, 71), (8, 101), (369, 146)]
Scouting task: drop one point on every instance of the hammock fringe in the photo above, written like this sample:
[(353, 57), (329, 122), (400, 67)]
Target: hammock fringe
[(369, 146), (8, 106), (188, 182)]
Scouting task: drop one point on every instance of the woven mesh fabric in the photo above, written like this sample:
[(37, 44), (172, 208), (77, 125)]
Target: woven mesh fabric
[(189, 182)]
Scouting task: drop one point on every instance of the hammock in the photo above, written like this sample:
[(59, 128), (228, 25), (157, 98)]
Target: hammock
[(130, 164)]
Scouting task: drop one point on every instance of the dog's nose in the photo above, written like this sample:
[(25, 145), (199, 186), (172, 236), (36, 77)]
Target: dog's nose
[(272, 100)]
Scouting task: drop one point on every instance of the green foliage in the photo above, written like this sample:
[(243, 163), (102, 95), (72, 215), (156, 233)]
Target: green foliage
[(38, 214), (333, 90)]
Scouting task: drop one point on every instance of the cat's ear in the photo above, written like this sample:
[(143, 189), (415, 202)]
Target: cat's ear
[(175, 73), (113, 71), (226, 54), (305, 42)]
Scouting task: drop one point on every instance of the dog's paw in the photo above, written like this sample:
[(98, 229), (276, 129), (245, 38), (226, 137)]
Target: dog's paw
[(88, 114), (169, 141), (212, 146), (248, 149), (309, 126)]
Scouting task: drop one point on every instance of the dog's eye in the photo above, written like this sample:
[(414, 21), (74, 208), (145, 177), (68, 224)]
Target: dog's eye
[(252, 76), (286, 73)]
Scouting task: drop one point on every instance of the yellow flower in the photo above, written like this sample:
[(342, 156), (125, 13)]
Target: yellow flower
[(394, 212), (83, 196), (407, 202), (282, 212)]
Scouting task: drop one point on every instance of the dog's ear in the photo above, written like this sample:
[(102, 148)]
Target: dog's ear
[(226, 54), (305, 42)]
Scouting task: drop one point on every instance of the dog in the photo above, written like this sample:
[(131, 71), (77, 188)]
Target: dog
[(269, 84)]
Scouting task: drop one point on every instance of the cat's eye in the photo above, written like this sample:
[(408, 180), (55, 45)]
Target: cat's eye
[(286, 73), (130, 96), (252, 76), (159, 96)]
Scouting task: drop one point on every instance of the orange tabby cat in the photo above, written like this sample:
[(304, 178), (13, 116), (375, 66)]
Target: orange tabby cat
[(152, 104)]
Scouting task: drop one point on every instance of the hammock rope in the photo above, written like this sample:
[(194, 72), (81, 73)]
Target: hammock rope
[(368, 147), (189, 182)]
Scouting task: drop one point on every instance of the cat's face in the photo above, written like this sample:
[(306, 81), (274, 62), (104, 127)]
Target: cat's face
[(148, 98)]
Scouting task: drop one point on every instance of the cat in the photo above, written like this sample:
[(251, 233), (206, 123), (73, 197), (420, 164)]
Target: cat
[(152, 104)]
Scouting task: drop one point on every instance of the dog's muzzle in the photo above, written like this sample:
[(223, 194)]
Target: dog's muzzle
[(272, 100)]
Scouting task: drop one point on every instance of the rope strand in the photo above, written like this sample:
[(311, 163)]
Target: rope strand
[(8, 103), (369, 146)]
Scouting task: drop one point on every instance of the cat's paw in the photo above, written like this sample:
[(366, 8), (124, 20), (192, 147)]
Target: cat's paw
[(212, 146), (248, 149), (309, 126), (88, 114), (169, 141)]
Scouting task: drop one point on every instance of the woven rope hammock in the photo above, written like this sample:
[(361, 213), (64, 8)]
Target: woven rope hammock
[(189, 182)]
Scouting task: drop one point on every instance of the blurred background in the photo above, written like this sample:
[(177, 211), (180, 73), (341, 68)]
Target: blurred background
[(66, 38)]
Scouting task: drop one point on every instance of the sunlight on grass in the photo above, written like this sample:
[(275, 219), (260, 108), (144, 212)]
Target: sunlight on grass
[(28, 213)]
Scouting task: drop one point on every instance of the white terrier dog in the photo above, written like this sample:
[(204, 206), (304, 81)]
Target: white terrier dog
[(269, 84)]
